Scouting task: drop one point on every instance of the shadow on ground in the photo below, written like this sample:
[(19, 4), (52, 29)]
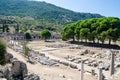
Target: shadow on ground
[(112, 46)]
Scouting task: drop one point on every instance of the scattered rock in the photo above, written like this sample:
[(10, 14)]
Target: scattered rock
[(83, 52), (1, 75), (73, 66), (19, 68), (8, 56), (32, 77), (61, 75)]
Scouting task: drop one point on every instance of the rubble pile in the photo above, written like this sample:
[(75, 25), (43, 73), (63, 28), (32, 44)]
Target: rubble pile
[(57, 45), (32, 77), (40, 57), (16, 70)]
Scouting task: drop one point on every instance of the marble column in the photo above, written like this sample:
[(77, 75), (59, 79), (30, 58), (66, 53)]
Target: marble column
[(100, 74), (82, 70), (112, 64)]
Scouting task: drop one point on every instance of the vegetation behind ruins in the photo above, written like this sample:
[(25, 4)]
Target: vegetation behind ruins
[(99, 29), (2, 52), (39, 15)]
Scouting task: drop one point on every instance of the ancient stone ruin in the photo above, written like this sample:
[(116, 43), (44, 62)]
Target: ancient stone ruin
[(15, 70)]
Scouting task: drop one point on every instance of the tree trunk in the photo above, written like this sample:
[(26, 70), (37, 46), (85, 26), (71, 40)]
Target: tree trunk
[(98, 41), (73, 39), (103, 42), (78, 40), (81, 40), (93, 40), (85, 40), (109, 41)]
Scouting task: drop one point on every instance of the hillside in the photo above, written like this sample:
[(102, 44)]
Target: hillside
[(47, 14)]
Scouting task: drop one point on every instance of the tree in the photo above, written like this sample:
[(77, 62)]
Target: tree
[(7, 28), (28, 36), (17, 28), (69, 32), (2, 52), (45, 34), (107, 28), (25, 48), (84, 32), (77, 31), (102, 36), (114, 29), (3, 28)]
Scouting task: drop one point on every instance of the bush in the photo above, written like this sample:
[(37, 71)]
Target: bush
[(2, 52), (28, 36), (45, 34)]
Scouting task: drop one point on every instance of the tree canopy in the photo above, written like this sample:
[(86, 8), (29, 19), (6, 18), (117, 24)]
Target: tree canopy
[(39, 14), (101, 29), (45, 34), (28, 36)]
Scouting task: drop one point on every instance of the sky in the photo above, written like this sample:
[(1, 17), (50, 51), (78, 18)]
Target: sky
[(103, 7)]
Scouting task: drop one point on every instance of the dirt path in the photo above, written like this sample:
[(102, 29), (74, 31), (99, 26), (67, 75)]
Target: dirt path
[(52, 73)]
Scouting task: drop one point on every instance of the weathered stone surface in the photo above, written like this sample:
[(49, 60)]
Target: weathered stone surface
[(104, 66), (6, 72), (64, 63), (13, 59), (62, 75), (19, 68), (83, 52), (24, 70), (40, 57), (1, 75), (73, 66), (16, 71), (57, 45), (70, 58), (3, 79), (8, 56), (32, 77)]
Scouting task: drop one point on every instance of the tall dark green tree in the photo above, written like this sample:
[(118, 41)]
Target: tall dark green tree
[(85, 32), (27, 36), (45, 34), (17, 28), (101, 29), (69, 32), (2, 52), (7, 28), (26, 49), (3, 28), (114, 29)]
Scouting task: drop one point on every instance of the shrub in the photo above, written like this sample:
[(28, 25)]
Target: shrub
[(2, 52)]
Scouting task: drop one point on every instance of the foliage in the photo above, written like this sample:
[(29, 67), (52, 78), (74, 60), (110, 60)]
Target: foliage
[(17, 28), (69, 32), (26, 49), (28, 36), (40, 13), (94, 29), (45, 34), (5, 28), (2, 52)]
